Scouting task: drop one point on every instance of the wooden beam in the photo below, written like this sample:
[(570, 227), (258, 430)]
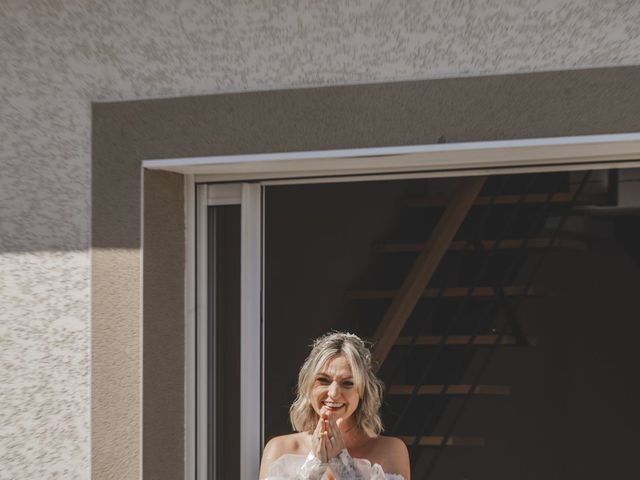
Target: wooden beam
[(447, 292), (428, 260), (450, 390), (506, 244), (438, 441), (532, 198), (465, 340)]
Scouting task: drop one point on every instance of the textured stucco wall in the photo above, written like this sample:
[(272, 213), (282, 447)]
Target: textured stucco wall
[(56, 57)]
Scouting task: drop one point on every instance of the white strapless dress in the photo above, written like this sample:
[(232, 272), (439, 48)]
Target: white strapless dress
[(288, 467)]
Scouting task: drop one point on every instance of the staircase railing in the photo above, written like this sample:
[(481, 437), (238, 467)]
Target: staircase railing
[(510, 310), (477, 235)]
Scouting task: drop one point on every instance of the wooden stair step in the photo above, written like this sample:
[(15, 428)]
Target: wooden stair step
[(465, 340), (531, 198), (506, 244), (450, 390), (372, 294), (438, 441)]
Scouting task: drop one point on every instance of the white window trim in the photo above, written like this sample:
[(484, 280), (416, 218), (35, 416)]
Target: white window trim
[(419, 161), (199, 327), (190, 202), (449, 159), (198, 198), (251, 331)]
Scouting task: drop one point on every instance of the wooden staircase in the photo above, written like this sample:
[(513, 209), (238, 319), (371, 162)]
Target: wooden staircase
[(409, 359)]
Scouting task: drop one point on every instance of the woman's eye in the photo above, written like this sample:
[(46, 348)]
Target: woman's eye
[(323, 381), (347, 384)]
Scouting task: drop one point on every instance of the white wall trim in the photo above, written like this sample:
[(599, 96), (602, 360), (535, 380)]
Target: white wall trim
[(414, 158)]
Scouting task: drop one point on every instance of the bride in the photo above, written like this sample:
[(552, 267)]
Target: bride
[(336, 415)]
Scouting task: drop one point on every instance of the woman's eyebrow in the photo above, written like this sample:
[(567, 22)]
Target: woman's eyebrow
[(323, 374)]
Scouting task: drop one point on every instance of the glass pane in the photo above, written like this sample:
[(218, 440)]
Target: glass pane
[(523, 349), (224, 342)]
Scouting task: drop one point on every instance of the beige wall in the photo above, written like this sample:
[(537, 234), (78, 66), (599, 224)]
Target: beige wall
[(56, 58), (163, 357)]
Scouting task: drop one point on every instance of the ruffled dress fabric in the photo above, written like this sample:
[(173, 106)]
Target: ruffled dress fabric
[(291, 467)]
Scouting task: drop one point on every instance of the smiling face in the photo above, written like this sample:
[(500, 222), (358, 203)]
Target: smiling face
[(333, 390)]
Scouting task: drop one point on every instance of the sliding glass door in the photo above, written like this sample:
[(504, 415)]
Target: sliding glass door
[(226, 426)]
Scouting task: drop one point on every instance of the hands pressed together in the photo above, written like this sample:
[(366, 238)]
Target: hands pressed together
[(327, 441)]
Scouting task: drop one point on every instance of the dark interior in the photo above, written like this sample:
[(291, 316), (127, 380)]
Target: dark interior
[(223, 334), (566, 403)]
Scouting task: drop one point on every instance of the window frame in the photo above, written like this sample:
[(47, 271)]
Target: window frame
[(198, 199), (257, 171)]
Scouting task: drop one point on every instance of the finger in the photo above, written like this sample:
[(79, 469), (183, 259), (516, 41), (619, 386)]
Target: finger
[(324, 422), (317, 434), (333, 427), (325, 446), (336, 434), (317, 431), (334, 420), (330, 437)]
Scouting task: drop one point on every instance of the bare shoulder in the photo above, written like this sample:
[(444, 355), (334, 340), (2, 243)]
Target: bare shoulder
[(393, 443), (393, 455), (292, 443), (295, 443)]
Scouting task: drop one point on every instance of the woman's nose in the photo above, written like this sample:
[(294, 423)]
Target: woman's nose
[(334, 390)]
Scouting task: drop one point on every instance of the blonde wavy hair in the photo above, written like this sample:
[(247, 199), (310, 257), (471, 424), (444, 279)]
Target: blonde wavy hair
[(367, 417)]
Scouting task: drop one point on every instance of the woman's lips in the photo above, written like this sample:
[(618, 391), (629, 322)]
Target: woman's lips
[(332, 407)]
